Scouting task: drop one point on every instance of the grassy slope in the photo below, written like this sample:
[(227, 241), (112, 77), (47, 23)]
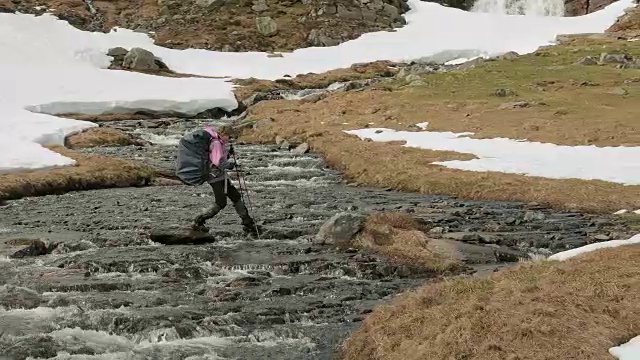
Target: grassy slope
[(550, 310), (571, 105)]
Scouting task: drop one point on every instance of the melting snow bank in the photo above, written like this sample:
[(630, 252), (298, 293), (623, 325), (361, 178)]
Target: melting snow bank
[(468, 34), (628, 351), (50, 67), (62, 72), (615, 164), (561, 256)]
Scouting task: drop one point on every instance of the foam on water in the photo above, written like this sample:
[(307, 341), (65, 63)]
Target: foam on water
[(290, 169), (170, 140), (313, 182)]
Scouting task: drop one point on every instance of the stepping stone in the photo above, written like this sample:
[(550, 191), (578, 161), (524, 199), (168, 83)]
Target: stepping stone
[(180, 236)]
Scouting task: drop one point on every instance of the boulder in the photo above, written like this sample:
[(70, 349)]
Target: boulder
[(319, 38), (21, 248), (515, 105), (140, 59), (589, 60), (173, 235), (510, 55), (534, 216), (260, 6), (117, 51), (118, 54), (301, 149), (279, 140), (266, 26), (285, 145), (339, 229), (503, 92), (615, 58)]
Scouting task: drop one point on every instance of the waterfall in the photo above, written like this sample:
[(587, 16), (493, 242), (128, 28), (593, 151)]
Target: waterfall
[(520, 7)]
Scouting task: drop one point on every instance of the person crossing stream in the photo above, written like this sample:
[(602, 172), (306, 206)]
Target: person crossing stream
[(205, 155)]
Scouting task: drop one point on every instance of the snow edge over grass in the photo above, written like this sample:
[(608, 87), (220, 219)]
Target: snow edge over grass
[(631, 349), (521, 157)]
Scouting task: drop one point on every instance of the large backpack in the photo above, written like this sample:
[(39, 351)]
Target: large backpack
[(193, 164), (199, 152)]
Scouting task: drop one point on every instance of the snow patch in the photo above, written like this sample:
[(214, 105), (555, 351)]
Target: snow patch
[(628, 351), (470, 34), (64, 71), (615, 164), (564, 255), (625, 211)]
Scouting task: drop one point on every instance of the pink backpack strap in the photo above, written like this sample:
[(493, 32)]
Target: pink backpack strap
[(217, 150)]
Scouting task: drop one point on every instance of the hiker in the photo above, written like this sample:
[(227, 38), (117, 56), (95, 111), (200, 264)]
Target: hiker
[(204, 156)]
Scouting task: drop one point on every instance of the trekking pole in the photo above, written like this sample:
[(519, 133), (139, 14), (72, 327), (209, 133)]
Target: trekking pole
[(243, 188)]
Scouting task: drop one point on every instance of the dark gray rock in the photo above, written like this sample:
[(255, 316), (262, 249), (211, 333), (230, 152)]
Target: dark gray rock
[(285, 145), (140, 59), (320, 38), (606, 58), (301, 149), (266, 26), (260, 6), (515, 105), (503, 92), (180, 236), (117, 51), (588, 60), (339, 229)]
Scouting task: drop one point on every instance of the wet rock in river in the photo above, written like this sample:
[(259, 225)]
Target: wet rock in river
[(21, 248), (340, 229), (180, 235), (301, 149)]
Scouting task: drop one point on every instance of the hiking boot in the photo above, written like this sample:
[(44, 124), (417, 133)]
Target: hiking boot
[(251, 229), (200, 220)]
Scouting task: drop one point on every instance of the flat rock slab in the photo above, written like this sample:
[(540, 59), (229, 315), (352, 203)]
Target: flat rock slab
[(180, 236), (22, 247)]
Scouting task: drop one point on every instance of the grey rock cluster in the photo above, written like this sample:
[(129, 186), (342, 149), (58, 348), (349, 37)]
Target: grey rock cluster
[(137, 59), (622, 61)]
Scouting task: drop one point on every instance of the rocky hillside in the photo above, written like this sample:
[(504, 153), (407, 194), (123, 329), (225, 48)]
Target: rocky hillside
[(229, 25), (582, 7), (244, 25)]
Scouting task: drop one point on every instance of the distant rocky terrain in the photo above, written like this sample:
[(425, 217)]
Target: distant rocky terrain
[(242, 25)]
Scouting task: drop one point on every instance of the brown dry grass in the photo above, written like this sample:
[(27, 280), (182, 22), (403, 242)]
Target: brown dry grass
[(576, 309), (100, 136), (401, 238), (316, 81), (90, 172), (571, 105)]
